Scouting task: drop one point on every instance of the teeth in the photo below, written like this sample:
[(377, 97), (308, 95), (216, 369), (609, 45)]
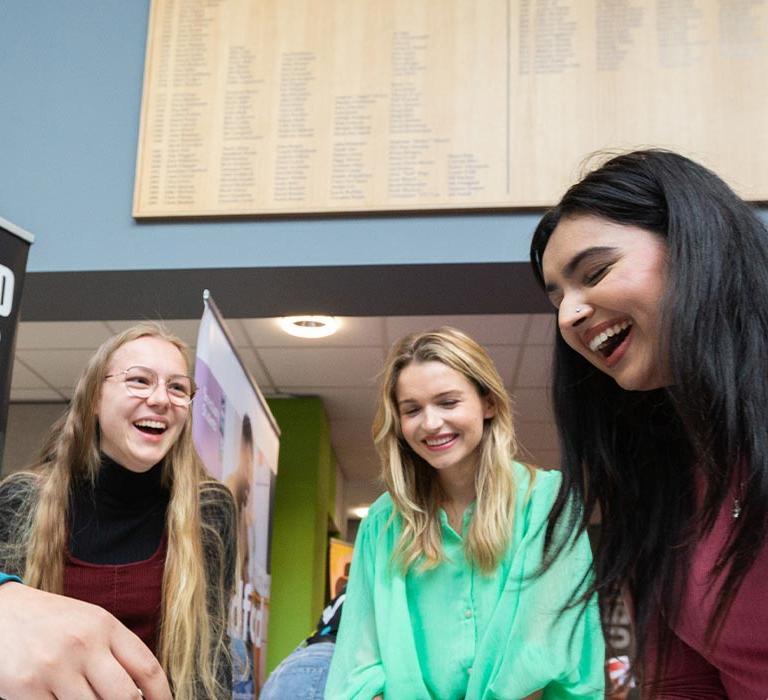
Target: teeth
[(600, 338), (150, 424), (439, 441)]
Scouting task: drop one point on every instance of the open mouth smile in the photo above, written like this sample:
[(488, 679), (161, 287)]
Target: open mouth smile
[(440, 442), (610, 339), (150, 427)]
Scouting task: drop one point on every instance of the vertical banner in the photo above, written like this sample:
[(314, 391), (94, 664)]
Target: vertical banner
[(14, 248), (238, 440)]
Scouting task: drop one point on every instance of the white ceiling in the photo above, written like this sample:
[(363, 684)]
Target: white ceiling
[(340, 369)]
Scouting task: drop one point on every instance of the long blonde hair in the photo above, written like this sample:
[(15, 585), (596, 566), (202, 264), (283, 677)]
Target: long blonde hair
[(194, 610), (412, 482)]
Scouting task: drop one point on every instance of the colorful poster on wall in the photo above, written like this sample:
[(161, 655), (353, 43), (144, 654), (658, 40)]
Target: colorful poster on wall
[(339, 561), (238, 439)]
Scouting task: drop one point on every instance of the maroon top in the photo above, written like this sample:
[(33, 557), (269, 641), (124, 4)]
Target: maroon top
[(131, 592), (737, 666)]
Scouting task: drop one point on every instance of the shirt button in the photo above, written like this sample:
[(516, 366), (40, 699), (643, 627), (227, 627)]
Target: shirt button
[(469, 670), (467, 613)]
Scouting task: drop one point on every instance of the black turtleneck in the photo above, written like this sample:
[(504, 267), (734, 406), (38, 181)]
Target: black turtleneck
[(121, 519)]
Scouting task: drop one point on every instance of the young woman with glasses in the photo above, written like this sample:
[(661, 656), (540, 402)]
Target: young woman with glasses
[(119, 512)]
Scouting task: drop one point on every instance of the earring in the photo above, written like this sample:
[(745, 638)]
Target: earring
[(578, 309)]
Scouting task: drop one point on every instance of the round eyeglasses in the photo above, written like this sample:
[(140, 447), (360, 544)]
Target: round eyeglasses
[(141, 382)]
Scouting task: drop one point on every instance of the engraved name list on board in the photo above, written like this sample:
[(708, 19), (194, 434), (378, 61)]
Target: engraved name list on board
[(311, 106)]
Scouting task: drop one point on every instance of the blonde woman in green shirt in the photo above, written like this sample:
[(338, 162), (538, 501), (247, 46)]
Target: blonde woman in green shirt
[(446, 598)]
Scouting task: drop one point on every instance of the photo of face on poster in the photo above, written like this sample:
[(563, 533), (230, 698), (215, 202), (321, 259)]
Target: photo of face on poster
[(240, 482), (249, 477)]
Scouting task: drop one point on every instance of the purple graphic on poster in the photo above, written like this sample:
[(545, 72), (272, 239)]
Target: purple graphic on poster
[(208, 414)]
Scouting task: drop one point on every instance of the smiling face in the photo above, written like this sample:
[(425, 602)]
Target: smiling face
[(138, 432), (607, 281), (441, 415)]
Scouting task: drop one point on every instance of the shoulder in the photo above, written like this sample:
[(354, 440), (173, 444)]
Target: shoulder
[(212, 491), (19, 488), (546, 482), (216, 502), (537, 491), (218, 529), (18, 503), (381, 507), (537, 483), (379, 517)]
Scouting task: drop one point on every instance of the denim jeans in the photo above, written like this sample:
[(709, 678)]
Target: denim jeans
[(301, 675)]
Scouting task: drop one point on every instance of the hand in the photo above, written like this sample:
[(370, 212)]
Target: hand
[(53, 646), (534, 696)]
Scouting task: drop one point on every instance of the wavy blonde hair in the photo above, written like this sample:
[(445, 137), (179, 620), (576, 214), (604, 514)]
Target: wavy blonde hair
[(194, 610), (412, 482)]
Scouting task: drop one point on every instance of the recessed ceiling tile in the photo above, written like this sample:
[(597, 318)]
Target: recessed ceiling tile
[(37, 395), (237, 331), (60, 368), (186, 329), (548, 459), (532, 405), (49, 335), (362, 492), (358, 463), (542, 330), (493, 329), (23, 378), (354, 331), (505, 359), (343, 404), (351, 433), (535, 367), (250, 360), (290, 367), (537, 436)]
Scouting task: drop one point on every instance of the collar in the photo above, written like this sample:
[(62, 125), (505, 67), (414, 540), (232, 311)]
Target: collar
[(127, 488)]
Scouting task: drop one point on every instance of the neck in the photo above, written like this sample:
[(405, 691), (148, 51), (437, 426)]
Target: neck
[(458, 485), (128, 488)]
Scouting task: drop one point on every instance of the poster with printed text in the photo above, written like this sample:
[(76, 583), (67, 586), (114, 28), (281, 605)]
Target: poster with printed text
[(238, 440)]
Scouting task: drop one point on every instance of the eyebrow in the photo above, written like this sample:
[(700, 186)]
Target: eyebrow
[(437, 397), (576, 260)]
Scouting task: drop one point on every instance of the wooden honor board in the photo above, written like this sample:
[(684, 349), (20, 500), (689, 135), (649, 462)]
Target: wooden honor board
[(310, 106)]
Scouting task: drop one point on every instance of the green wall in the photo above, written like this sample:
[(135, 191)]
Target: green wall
[(304, 492)]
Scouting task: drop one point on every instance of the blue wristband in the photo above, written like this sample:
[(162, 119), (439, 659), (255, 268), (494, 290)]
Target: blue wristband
[(5, 578)]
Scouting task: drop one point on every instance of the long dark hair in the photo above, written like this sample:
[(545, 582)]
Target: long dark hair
[(642, 457)]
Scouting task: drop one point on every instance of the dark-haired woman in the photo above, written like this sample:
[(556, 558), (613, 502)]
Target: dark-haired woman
[(659, 274)]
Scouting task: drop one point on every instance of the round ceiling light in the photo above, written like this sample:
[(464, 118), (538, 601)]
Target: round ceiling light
[(310, 326)]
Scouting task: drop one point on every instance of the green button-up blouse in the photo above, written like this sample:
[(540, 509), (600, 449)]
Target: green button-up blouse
[(454, 632)]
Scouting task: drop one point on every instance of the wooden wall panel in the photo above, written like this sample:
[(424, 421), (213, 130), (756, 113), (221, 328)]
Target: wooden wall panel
[(311, 106)]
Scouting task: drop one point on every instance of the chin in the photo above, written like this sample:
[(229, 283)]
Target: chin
[(641, 383), (143, 463)]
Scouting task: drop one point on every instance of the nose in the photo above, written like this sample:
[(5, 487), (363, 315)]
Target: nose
[(159, 395), (432, 419), (572, 314)]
